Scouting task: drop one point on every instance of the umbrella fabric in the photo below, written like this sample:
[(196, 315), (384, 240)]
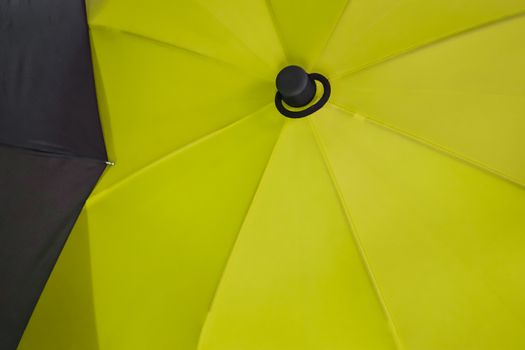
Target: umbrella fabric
[(392, 218), (51, 146)]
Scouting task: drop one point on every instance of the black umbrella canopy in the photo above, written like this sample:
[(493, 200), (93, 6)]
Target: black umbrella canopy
[(51, 146)]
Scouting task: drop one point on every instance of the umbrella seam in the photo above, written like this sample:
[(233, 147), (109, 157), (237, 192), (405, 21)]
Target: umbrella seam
[(355, 238), (277, 29), (175, 46), (439, 90), (250, 205), (433, 146), (329, 38), (52, 154), (236, 37), (95, 197), (425, 45), (91, 266)]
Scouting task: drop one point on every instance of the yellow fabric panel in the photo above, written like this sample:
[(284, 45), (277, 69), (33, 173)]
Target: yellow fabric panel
[(443, 239), (251, 22), (374, 30), (64, 318), (305, 26), (295, 279), (392, 228), (151, 101), (184, 24), (160, 239), (466, 95)]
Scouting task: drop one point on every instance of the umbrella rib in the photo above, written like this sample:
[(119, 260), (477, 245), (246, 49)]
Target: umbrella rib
[(237, 38), (329, 38), (228, 260), (431, 145), (177, 150), (276, 28), (423, 46), (355, 238), (172, 45), (54, 154)]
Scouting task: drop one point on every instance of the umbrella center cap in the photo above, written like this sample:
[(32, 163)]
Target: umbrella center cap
[(297, 89), (295, 86)]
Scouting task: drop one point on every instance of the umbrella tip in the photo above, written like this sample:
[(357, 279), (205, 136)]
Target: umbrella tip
[(297, 89), (295, 86)]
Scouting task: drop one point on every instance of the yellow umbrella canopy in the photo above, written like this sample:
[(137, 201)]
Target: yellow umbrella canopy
[(392, 218)]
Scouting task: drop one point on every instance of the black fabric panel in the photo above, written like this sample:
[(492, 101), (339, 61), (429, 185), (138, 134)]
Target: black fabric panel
[(51, 146), (47, 94), (41, 197)]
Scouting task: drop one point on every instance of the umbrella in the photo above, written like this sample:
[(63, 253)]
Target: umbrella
[(288, 175)]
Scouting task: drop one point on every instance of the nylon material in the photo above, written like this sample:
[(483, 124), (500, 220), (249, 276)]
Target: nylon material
[(98, 194), (181, 216), (454, 96), (228, 260), (373, 30), (355, 237), (164, 118), (47, 94), (168, 22), (36, 215), (433, 146), (432, 223), (180, 87), (51, 146), (68, 295), (416, 47), (323, 297), (305, 27), (277, 30)]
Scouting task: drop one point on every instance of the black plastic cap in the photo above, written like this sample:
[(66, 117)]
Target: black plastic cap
[(295, 86)]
